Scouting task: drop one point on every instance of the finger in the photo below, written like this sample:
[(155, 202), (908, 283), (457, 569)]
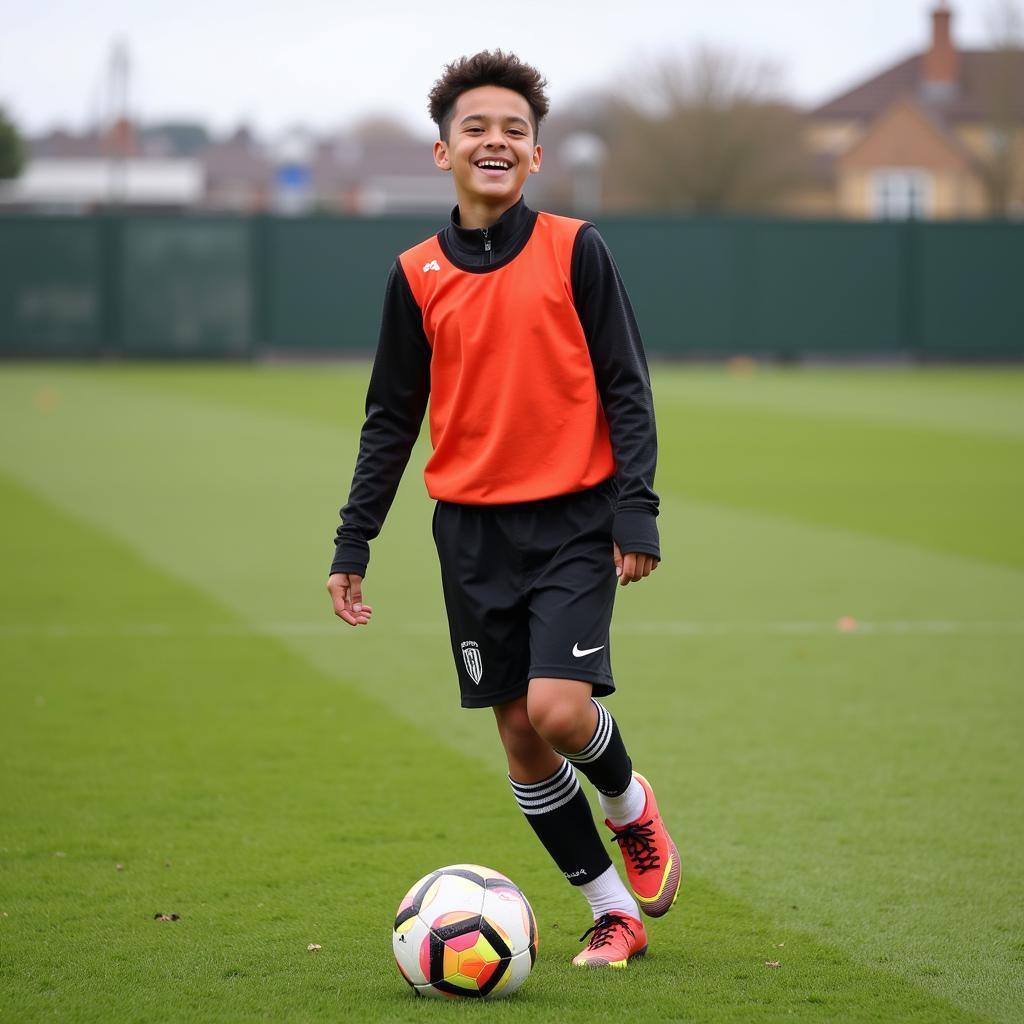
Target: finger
[(354, 618), (617, 558), (337, 587), (340, 588), (354, 605), (628, 569), (343, 608), (339, 595), (356, 592)]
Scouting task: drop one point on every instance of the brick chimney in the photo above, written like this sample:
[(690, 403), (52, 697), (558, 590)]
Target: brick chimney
[(941, 69), (122, 138)]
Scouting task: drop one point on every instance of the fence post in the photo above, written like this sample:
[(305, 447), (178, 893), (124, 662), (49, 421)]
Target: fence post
[(912, 294), (111, 318), (259, 284)]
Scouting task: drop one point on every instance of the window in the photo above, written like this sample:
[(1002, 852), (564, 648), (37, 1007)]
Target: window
[(901, 194)]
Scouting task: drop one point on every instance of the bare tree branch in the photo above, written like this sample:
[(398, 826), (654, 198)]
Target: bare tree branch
[(707, 132), (1002, 169)]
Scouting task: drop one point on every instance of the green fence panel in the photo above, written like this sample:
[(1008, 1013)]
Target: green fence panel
[(729, 286), (50, 286), (324, 279), (822, 288), (971, 284), (222, 286), (184, 286), (680, 275)]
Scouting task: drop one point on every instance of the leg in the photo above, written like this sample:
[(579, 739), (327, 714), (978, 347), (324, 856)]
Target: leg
[(562, 712), (530, 757), (549, 795), (570, 615), (585, 733)]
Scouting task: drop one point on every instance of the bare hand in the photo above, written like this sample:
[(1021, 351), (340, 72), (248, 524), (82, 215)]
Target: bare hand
[(633, 567), (346, 590)]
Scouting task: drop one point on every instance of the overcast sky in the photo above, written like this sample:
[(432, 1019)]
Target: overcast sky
[(326, 63)]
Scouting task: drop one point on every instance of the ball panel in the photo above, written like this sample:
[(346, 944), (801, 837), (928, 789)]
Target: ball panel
[(449, 893), (489, 875), (486, 972), (509, 912), (428, 893), (514, 974), (467, 940), (477, 960), (408, 943), (454, 922)]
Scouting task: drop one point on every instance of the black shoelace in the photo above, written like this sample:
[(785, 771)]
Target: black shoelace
[(637, 841), (602, 930)]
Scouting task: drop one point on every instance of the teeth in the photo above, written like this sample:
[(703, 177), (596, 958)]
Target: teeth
[(497, 165)]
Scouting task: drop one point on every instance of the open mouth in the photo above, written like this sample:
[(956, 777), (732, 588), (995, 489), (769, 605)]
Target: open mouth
[(493, 167)]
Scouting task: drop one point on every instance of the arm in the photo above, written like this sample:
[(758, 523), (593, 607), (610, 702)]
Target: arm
[(395, 402), (623, 381)]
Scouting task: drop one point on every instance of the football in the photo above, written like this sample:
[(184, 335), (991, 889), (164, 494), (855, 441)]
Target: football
[(465, 931)]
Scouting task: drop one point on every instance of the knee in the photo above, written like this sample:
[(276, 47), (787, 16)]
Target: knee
[(518, 736), (555, 718)]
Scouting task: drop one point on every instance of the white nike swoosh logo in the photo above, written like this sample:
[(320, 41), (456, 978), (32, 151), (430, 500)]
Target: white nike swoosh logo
[(577, 653)]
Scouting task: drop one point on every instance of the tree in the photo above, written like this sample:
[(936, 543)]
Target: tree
[(12, 151), (380, 128), (1002, 169), (710, 132)]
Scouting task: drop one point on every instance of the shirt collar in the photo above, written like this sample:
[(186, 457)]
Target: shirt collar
[(501, 233)]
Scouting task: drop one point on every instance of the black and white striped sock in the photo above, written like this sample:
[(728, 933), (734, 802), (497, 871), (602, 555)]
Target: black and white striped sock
[(604, 760), (558, 812)]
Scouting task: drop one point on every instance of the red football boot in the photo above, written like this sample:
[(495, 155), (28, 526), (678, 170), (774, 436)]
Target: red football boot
[(652, 860), (615, 939)]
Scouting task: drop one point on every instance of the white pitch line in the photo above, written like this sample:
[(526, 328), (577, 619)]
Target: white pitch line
[(896, 627)]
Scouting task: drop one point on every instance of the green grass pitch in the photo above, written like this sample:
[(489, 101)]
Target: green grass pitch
[(823, 680)]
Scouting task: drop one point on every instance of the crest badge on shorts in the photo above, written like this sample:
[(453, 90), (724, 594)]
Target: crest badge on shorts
[(471, 657)]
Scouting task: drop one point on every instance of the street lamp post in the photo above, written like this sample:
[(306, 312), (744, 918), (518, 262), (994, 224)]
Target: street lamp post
[(584, 153)]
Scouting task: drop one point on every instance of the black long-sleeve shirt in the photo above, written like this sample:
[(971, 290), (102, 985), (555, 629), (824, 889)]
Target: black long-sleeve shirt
[(400, 384)]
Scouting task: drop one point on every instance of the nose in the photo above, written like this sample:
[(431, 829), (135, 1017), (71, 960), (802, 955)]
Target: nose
[(494, 138)]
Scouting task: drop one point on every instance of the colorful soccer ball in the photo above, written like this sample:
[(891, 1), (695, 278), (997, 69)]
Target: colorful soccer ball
[(465, 931)]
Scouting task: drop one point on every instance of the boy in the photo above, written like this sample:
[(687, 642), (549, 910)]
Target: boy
[(518, 328)]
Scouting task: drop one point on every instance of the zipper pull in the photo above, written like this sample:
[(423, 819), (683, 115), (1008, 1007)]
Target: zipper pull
[(487, 243)]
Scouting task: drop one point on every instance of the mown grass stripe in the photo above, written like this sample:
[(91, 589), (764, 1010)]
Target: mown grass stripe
[(59, 631), (269, 807)]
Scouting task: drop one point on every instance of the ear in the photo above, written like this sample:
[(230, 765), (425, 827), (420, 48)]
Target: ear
[(441, 157), (538, 153)]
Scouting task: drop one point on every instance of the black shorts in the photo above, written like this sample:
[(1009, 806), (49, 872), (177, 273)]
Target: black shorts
[(529, 590)]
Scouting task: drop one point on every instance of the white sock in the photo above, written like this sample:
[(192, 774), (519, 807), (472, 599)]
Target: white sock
[(627, 807), (606, 894)]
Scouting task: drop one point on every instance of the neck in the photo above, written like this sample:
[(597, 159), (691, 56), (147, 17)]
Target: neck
[(483, 215)]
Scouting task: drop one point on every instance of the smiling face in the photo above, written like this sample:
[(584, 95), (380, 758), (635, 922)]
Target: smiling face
[(490, 151)]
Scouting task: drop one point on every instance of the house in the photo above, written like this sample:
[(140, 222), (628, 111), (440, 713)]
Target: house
[(71, 173), (938, 135)]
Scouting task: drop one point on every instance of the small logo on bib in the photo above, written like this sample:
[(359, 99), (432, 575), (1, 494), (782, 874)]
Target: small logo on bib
[(432, 265)]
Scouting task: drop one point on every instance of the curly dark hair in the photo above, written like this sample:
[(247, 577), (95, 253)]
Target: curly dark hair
[(486, 68)]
